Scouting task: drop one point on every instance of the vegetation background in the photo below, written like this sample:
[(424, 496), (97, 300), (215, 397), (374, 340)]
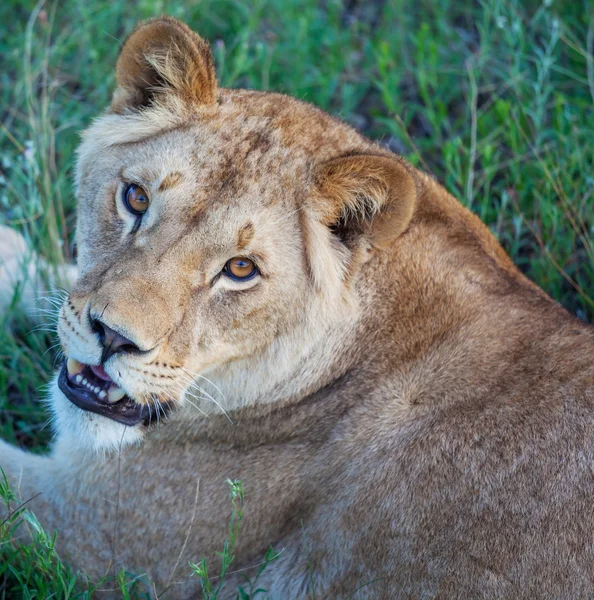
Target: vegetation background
[(495, 98)]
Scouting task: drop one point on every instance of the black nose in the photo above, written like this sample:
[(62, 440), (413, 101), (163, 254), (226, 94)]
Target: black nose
[(112, 341)]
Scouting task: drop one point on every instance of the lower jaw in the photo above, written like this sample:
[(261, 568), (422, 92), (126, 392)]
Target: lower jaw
[(125, 411)]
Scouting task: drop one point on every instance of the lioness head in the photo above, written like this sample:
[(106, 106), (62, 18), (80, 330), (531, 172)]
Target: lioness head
[(220, 236)]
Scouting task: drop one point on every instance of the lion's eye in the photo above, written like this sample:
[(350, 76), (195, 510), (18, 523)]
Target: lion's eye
[(240, 268), (136, 199)]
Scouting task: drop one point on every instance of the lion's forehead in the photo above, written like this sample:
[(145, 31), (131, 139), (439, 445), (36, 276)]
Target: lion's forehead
[(207, 162), (251, 134), (301, 127), (209, 179)]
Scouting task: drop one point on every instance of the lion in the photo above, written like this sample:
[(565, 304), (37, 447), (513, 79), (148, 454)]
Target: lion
[(263, 294)]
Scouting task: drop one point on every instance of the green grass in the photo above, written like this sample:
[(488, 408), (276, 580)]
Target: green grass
[(30, 566), (494, 97)]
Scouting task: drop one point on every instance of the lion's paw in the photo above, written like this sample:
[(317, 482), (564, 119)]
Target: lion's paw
[(14, 271), (12, 244), (25, 276)]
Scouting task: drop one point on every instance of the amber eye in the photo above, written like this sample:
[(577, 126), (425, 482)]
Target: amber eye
[(136, 199), (240, 268)]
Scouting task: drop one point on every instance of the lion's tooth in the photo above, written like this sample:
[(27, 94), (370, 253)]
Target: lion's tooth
[(115, 394), (74, 367), (102, 394)]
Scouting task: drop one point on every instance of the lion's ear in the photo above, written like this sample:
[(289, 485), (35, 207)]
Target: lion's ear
[(365, 194), (160, 58)]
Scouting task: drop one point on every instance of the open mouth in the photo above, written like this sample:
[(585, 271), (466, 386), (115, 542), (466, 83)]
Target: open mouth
[(89, 387)]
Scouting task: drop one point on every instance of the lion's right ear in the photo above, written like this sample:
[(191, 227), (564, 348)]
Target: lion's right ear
[(365, 194), (356, 200), (163, 58)]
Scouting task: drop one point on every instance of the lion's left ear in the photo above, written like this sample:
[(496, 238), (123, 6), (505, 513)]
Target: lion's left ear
[(365, 194), (160, 60)]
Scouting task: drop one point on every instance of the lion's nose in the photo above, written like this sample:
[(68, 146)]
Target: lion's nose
[(112, 341)]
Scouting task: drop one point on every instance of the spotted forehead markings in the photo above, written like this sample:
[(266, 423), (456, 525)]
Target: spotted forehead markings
[(170, 180), (245, 235)]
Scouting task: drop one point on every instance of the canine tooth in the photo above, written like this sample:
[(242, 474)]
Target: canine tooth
[(74, 367), (115, 394), (102, 394), (79, 379)]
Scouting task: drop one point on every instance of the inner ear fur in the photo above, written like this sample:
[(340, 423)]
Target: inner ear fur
[(163, 56), (365, 194)]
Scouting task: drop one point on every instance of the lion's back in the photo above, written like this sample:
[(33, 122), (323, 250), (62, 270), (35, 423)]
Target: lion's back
[(487, 495)]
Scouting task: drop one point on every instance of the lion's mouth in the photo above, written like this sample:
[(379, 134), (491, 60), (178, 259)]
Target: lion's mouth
[(92, 389)]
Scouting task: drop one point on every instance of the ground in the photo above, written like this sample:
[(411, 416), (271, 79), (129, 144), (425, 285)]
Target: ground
[(494, 98)]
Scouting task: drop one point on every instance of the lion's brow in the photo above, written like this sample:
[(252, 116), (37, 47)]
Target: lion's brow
[(245, 235), (170, 180)]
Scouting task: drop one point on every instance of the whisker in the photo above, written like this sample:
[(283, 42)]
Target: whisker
[(51, 348), (46, 311), (207, 380), (185, 392), (196, 407), (43, 328), (209, 396)]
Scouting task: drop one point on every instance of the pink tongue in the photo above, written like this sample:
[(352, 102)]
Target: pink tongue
[(100, 372)]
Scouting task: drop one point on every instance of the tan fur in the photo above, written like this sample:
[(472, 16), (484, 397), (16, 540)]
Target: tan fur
[(410, 416)]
